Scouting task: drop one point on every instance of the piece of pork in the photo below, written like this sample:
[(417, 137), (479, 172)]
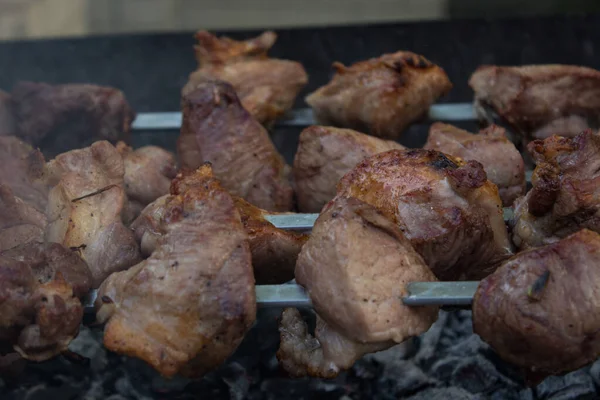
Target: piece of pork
[(355, 268), (538, 101), (445, 206), (566, 191), (58, 118), (541, 309), (381, 96), (500, 158), (187, 307), (216, 128), (267, 87), (85, 206), (7, 119), (19, 222), (325, 154)]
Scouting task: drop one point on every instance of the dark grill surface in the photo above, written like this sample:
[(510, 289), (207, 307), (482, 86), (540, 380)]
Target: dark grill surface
[(448, 362)]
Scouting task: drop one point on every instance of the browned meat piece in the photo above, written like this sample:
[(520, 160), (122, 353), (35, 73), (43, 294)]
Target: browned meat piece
[(148, 226), (500, 158), (324, 155), (187, 307), (566, 191), (274, 251), (445, 206), (22, 171), (19, 222), (48, 260), (380, 96), (7, 119), (148, 174), (267, 87), (217, 129), (539, 100), (38, 317), (85, 205), (540, 309), (61, 117), (355, 268)]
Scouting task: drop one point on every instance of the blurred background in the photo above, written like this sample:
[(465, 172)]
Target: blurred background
[(63, 18)]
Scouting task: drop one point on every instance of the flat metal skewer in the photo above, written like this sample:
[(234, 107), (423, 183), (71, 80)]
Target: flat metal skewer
[(303, 117), (292, 295)]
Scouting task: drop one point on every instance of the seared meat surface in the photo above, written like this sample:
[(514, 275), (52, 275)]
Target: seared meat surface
[(325, 154), (355, 267), (85, 206), (22, 171), (267, 87), (187, 307), (500, 158), (566, 191), (39, 314), (55, 116), (538, 101), (19, 222), (148, 174), (445, 206), (380, 96), (274, 251), (540, 309), (7, 119), (216, 128)]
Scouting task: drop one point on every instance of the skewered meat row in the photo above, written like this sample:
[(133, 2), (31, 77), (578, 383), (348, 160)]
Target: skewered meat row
[(500, 158), (19, 222), (216, 128), (187, 307), (267, 87)]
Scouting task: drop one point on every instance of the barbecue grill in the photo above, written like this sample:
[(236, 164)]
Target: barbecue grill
[(448, 362)]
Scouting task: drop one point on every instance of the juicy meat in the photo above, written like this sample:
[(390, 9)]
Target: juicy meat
[(267, 87), (148, 174), (355, 268), (22, 171), (85, 205), (7, 119), (274, 251), (566, 191), (48, 260), (187, 307), (38, 317), (445, 206), (19, 222), (325, 154), (148, 226), (61, 117), (380, 96), (217, 129), (541, 309), (500, 158), (540, 100)]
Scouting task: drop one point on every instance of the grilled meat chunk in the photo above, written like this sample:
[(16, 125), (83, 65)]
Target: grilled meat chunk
[(148, 174), (187, 307), (274, 251), (267, 87), (324, 155), (22, 171), (217, 129), (19, 222), (355, 267), (380, 96), (540, 309), (500, 158), (85, 206), (54, 117), (566, 191), (39, 314), (538, 101), (445, 206), (7, 119)]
